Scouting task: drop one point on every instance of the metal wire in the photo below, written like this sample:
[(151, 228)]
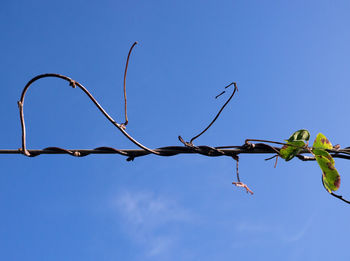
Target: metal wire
[(258, 148), (163, 151), (188, 148)]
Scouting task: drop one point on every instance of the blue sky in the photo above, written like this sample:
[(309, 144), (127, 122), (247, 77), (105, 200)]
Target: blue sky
[(291, 62)]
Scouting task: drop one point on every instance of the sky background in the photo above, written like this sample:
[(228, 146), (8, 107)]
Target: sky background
[(291, 61)]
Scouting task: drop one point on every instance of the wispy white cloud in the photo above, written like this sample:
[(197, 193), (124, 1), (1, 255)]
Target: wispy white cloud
[(299, 233), (252, 228), (146, 215), (160, 246), (144, 208), (283, 232)]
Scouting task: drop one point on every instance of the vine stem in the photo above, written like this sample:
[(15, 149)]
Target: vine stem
[(124, 85), (231, 151), (218, 114), (72, 83)]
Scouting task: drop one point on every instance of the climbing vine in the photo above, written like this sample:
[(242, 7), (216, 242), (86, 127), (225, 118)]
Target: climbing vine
[(296, 146), (299, 141)]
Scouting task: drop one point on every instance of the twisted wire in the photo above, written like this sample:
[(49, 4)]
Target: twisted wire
[(188, 148)]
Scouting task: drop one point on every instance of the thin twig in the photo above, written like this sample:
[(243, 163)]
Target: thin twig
[(73, 84), (239, 183), (276, 161), (335, 195), (218, 114), (270, 158), (270, 141), (236, 158), (274, 156), (217, 96), (125, 72), (340, 197)]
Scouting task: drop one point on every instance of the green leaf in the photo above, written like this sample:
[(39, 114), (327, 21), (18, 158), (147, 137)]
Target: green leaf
[(321, 142), (330, 175), (288, 152), (296, 140), (303, 135)]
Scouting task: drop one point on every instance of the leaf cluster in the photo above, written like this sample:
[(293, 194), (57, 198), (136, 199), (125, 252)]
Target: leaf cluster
[(299, 141)]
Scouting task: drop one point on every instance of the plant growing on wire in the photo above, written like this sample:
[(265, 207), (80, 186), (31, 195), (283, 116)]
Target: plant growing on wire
[(296, 146)]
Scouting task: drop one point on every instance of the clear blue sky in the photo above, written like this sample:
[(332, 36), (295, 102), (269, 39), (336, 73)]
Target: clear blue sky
[(291, 60)]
